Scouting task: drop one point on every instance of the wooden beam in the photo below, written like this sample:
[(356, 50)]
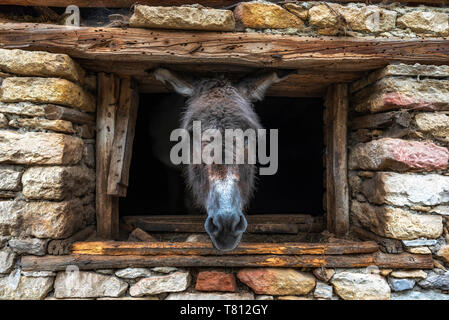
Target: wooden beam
[(93, 262), (337, 190), (255, 50), (251, 218), (113, 248), (130, 3), (256, 224), (53, 112), (106, 206), (125, 123)]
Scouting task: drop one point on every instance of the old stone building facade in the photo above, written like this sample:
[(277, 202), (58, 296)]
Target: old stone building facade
[(397, 138)]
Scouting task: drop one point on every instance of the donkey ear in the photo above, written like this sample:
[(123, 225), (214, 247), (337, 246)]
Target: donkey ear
[(181, 86), (255, 87)]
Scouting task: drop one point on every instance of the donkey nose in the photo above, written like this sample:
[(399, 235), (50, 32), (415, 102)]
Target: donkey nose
[(231, 223), (225, 230)]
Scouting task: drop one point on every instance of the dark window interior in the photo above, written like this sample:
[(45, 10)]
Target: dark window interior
[(297, 187)]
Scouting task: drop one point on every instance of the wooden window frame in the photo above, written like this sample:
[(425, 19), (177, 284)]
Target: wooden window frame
[(118, 100)]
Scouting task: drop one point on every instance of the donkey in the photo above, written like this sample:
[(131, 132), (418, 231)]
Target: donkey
[(222, 190)]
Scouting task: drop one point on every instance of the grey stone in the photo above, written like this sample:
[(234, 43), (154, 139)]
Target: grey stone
[(419, 242), (210, 296), (436, 281), (39, 148), (164, 269), (38, 274), (418, 295), (323, 290), (32, 246), (88, 285), (396, 223), (360, 286), (29, 288), (10, 178), (133, 273), (407, 189), (173, 282), (3, 121), (264, 297), (401, 284), (41, 219), (7, 258), (57, 183)]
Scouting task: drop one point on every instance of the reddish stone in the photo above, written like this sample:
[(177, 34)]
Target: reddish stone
[(397, 154), (277, 281), (215, 281)]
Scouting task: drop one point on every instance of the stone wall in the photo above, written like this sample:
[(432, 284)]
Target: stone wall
[(47, 174), (398, 163), (302, 18)]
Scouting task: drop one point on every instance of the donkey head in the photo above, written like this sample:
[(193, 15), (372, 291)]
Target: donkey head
[(221, 188)]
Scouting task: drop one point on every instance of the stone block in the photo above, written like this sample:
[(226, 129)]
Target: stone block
[(40, 64), (57, 183), (407, 189), (46, 90), (184, 18), (173, 282), (215, 281), (398, 155), (34, 148), (43, 124), (274, 281), (262, 15), (29, 288), (88, 285), (425, 22), (396, 223), (360, 286), (393, 93), (10, 178), (41, 219)]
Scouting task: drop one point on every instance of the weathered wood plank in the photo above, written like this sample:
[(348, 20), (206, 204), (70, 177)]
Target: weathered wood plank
[(91, 262), (337, 190), (53, 112), (245, 49), (381, 120), (199, 227), (251, 218), (114, 248), (130, 3), (125, 122), (287, 224), (106, 206)]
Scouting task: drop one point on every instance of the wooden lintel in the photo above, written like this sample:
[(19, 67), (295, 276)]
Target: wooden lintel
[(125, 122), (106, 206), (93, 262), (130, 3), (233, 48), (337, 189), (113, 248)]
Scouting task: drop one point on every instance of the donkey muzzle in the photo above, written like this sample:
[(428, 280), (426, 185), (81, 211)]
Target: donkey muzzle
[(225, 229)]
